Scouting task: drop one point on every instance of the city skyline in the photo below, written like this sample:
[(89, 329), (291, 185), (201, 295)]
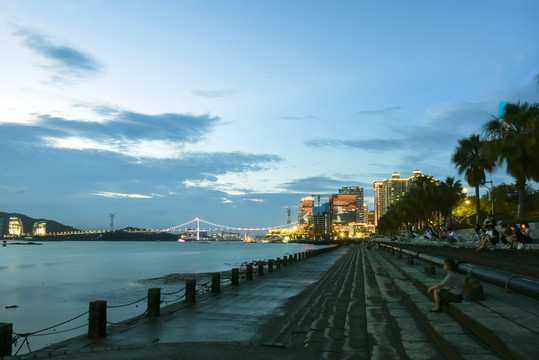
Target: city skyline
[(234, 111)]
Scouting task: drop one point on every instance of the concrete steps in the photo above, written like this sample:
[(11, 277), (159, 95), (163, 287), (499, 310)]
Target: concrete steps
[(503, 325)]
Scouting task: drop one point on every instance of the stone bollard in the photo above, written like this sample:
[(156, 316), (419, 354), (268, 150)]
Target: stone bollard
[(235, 276), (278, 263), (285, 260), (430, 269), (290, 259), (249, 271), (215, 282), (154, 302), (399, 255), (410, 260), (190, 290), (97, 319), (473, 289), (260, 268), (6, 337), (270, 265), (296, 257)]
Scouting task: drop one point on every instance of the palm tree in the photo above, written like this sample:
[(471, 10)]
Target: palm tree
[(449, 193), (513, 138), (472, 159)]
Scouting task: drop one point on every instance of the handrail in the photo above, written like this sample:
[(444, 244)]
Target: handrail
[(513, 282)]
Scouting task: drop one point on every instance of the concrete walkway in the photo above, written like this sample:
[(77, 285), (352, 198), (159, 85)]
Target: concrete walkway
[(228, 324)]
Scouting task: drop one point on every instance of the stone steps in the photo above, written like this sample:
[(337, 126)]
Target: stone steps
[(503, 324)]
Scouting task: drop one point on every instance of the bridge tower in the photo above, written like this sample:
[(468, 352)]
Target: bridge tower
[(112, 221), (288, 221)]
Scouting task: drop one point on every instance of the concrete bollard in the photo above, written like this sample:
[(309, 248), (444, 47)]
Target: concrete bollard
[(270, 265), (430, 269), (235, 276), (296, 257), (285, 260), (97, 319), (278, 263), (410, 260), (215, 282), (190, 290), (249, 271), (399, 255), (154, 302), (473, 289), (6, 338), (260, 268)]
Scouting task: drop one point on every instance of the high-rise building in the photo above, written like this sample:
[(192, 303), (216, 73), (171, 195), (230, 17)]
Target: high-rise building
[(321, 219), (346, 207), (39, 228), (15, 226), (388, 192), (305, 213)]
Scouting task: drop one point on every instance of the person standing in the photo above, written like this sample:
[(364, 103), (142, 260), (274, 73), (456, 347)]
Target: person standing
[(450, 289)]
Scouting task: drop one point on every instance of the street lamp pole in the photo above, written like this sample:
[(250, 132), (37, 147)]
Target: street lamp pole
[(491, 195)]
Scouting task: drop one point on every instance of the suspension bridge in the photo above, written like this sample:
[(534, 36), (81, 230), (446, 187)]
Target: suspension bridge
[(218, 227)]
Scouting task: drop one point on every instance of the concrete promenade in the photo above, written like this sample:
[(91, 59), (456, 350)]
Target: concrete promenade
[(350, 303)]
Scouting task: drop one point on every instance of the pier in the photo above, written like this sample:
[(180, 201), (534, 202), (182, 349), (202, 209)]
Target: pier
[(349, 303)]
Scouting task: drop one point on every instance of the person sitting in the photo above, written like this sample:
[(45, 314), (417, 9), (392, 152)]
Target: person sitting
[(450, 289), (489, 221), (490, 237), (476, 234), (507, 236), (523, 236), (452, 237)]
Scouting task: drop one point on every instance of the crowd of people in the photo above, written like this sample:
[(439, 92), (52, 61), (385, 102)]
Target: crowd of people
[(512, 236)]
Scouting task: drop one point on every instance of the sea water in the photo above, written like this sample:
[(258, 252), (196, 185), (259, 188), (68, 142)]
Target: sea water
[(55, 281)]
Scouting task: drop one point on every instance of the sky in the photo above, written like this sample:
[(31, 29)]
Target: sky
[(232, 111)]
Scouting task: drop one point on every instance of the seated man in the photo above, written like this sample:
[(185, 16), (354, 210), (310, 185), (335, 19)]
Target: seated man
[(449, 290)]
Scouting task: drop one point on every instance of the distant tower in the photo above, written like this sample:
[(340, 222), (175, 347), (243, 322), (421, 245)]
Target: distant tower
[(112, 221), (288, 221)]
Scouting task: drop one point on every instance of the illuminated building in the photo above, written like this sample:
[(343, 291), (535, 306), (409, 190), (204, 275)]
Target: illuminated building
[(305, 213), (346, 207), (360, 230), (389, 191), (39, 228), (15, 226), (321, 219)]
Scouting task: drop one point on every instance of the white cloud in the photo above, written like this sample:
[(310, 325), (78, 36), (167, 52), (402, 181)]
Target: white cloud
[(146, 149), (121, 195)]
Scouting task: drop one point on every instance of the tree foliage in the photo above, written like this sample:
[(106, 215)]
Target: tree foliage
[(513, 140), (426, 202)]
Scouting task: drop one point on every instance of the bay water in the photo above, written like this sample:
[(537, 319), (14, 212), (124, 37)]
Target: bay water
[(44, 285)]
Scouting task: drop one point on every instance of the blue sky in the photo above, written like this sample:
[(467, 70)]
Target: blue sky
[(163, 111)]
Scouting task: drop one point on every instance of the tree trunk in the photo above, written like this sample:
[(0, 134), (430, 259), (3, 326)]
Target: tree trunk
[(521, 188), (477, 204)]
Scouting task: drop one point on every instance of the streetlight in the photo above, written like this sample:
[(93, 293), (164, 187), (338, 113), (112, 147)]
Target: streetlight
[(491, 195)]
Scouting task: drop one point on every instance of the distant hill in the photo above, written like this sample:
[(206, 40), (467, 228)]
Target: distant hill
[(28, 223)]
